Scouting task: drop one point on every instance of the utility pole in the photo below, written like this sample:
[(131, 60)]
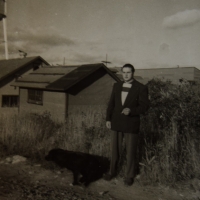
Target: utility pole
[(5, 31), (3, 14), (105, 61)]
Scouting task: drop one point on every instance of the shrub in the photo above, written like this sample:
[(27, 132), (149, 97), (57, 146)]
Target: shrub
[(170, 132)]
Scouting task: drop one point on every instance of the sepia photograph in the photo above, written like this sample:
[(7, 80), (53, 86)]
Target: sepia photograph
[(100, 99)]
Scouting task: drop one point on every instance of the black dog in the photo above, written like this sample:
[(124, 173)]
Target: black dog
[(91, 167)]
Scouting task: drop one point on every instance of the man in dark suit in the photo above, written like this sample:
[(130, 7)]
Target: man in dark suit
[(128, 100)]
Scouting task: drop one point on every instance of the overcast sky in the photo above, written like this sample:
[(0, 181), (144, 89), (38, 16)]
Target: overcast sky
[(145, 33)]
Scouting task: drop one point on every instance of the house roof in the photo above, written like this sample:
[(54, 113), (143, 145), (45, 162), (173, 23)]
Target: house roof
[(11, 66), (43, 76), (80, 74), (62, 78)]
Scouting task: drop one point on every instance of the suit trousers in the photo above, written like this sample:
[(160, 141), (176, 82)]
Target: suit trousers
[(131, 142)]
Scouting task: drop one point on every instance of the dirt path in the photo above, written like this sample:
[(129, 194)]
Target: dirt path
[(23, 181)]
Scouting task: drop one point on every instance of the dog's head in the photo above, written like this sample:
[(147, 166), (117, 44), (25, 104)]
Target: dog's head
[(53, 154)]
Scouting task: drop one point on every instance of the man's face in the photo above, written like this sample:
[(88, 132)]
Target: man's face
[(127, 74)]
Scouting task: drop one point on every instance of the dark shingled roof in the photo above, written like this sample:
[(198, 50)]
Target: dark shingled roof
[(64, 78), (8, 67), (79, 75)]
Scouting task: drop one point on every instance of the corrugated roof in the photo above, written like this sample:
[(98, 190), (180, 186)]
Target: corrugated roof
[(38, 78), (43, 76), (8, 67), (61, 78), (55, 70)]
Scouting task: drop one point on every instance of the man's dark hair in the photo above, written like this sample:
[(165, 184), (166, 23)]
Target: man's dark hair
[(129, 66)]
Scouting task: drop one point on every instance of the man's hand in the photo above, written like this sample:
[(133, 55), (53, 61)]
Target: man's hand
[(108, 124), (126, 111)]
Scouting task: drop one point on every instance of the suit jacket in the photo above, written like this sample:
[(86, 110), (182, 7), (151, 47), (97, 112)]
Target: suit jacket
[(137, 101)]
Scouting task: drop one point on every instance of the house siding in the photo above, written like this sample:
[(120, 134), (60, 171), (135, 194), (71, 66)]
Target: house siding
[(8, 90), (53, 102), (94, 96)]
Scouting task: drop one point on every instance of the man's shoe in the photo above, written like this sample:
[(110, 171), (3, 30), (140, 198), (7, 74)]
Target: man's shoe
[(128, 181), (108, 177)]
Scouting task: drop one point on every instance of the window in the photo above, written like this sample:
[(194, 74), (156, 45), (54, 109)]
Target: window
[(35, 96), (10, 100)]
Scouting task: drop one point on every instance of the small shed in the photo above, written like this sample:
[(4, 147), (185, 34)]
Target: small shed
[(61, 90), (10, 70)]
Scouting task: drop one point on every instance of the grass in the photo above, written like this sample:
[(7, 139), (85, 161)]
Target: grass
[(34, 135), (169, 142)]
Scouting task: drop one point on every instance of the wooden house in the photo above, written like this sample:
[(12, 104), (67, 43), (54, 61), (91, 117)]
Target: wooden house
[(10, 70), (60, 90)]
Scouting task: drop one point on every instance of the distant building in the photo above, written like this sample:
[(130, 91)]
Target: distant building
[(10, 70), (174, 74), (62, 90)]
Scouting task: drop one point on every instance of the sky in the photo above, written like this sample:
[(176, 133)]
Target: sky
[(145, 33)]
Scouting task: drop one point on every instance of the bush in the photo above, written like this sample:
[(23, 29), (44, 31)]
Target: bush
[(170, 132)]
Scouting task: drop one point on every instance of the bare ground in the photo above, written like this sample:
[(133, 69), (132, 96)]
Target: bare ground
[(27, 180)]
